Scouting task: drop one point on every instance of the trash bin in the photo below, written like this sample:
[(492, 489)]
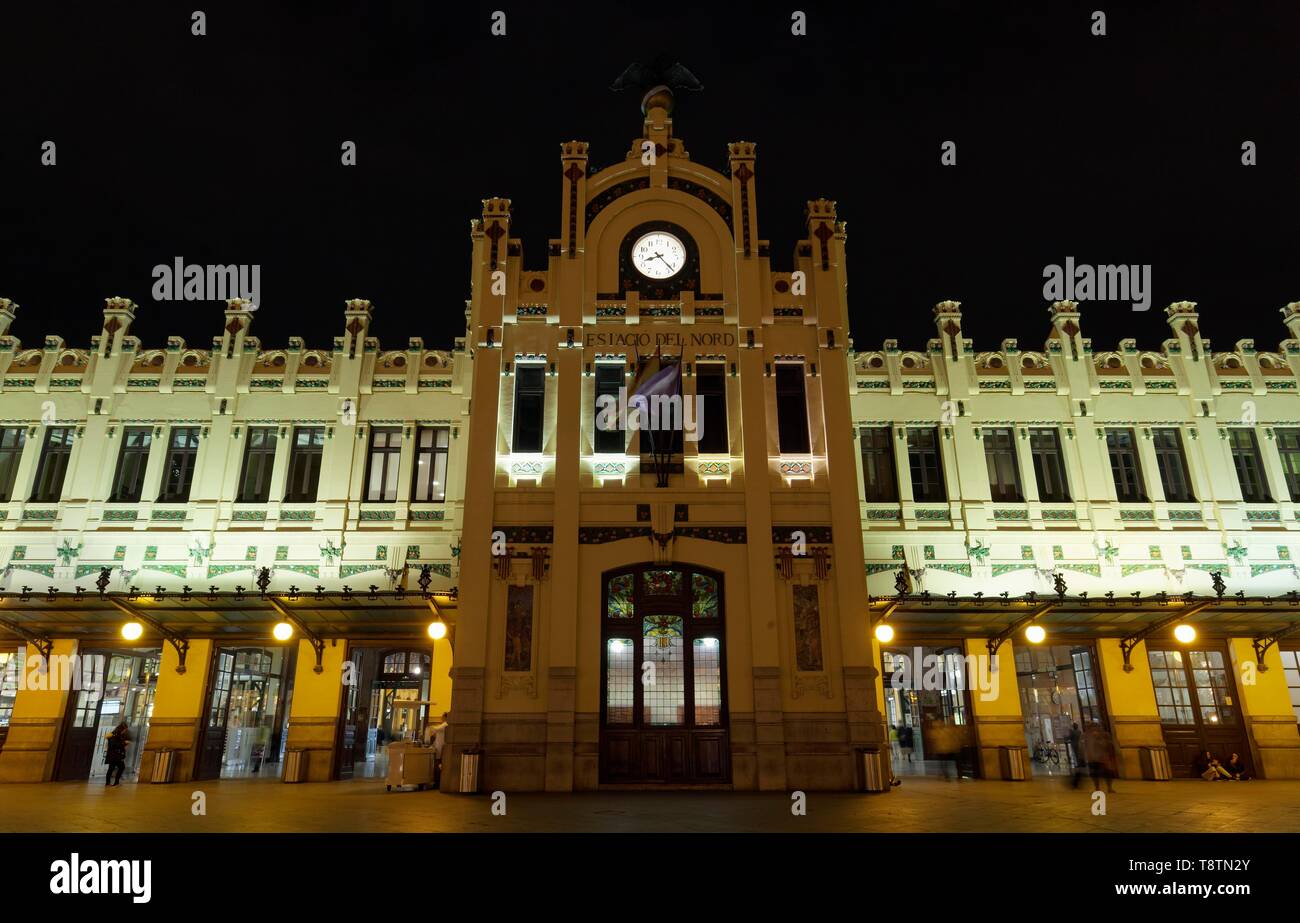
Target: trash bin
[(1012, 760), (164, 765), (871, 771), (469, 764), (1155, 764), (295, 765)]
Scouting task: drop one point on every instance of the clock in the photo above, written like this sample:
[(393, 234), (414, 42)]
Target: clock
[(658, 255)]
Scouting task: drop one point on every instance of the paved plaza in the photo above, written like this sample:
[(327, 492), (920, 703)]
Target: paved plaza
[(920, 805)]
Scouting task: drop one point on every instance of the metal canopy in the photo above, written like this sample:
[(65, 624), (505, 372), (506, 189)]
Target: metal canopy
[(1076, 618), (226, 614)]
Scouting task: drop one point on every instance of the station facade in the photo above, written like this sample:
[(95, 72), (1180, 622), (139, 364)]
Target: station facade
[(632, 603)]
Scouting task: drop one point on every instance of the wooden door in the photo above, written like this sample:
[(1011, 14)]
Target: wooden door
[(82, 721), (208, 765), (1198, 705)]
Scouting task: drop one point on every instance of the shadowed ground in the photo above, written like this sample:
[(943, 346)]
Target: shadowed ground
[(920, 805)]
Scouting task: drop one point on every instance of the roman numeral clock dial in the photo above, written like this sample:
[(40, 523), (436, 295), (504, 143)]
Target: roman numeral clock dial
[(658, 255)]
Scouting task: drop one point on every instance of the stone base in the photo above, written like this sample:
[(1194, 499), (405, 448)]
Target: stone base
[(993, 733), (1275, 742), (179, 734), (31, 747), (1131, 733), (318, 737)]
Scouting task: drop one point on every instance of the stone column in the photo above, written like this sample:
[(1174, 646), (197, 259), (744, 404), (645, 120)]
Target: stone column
[(40, 709), (1130, 702), (314, 711), (998, 719), (1266, 709), (179, 709)]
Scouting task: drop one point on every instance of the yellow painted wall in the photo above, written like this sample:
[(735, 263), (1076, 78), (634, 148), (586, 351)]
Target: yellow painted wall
[(318, 695), (1004, 694), (1127, 693), (36, 725), (1267, 694), (180, 695), (440, 680)]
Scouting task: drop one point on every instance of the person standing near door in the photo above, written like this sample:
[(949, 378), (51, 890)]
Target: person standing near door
[(115, 754)]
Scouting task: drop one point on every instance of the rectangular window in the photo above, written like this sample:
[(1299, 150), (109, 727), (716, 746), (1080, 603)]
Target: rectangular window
[(1000, 458), (1049, 465), (53, 464), (304, 464), (178, 473), (12, 440), (609, 438), (128, 481), (259, 461), (385, 459), (878, 480), (711, 386), (1250, 468), (1173, 697), (791, 409), (1172, 462), (1124, 466), (431, 444), (530, 407), (926, 466), (1288, 446)]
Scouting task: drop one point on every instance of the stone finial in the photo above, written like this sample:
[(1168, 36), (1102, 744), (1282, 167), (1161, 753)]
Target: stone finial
[(741, 150), (1290, 317), (240, 306), (1064, 307), (7, 311), (1180, 308), (496, 208), (820, 208), (573, 150), (947, 307), (358, 306)]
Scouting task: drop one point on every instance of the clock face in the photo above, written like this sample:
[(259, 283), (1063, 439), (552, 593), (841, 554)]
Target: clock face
[(658, 255)]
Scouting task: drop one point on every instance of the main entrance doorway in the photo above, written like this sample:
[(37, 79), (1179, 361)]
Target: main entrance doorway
[(248, 713), (1198, 704), (1059, 692), (927, 709), (389, 700), (663, 707), (116, 686)]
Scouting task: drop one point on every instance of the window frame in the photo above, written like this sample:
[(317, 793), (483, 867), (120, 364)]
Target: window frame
[(609, 378), (533, 399), (311, 454), (1288, 450), (1116, 454), (389, 459), (924, 488), (138, 454), (188, 456), (792, 409), (1171, 463), (1247, 460), (999, 450), (61, 456), (432, 452), (265, 454), (876, 447), (11, 457), (1042, 457), (711, 389)]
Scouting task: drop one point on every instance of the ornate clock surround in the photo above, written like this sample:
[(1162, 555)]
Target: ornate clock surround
[(688, 279)]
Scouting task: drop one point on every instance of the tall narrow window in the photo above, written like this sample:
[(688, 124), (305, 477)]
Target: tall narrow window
[(1288, 447), (530, 407), (926, 466), (1049, 465), (431, 444), (609, 437), (1250, 468), (385, 458), (878, 480), (178, 472), (1172, 462), (128, 481), (711, 387), (53, 465), (304, 464), (1124, 466), (1000, 458), (12, 440), (791, 409), (259, 462)]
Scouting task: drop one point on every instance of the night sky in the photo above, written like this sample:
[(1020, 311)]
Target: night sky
[(226, 149)]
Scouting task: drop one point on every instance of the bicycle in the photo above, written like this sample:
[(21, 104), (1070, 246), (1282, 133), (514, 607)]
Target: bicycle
[(1047, 753)]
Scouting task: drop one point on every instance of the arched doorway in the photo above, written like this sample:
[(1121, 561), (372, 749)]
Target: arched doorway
[(385, 701), (663, 700)]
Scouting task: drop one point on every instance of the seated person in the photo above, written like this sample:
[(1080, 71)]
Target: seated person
[(1235, 768)]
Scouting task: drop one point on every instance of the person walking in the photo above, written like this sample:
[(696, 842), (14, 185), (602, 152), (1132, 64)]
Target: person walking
[(906, 740), (1099, 751), (1075, 739), (115, 754)]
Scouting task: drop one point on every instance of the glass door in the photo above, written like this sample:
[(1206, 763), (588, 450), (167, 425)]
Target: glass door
[(1198, 706)]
